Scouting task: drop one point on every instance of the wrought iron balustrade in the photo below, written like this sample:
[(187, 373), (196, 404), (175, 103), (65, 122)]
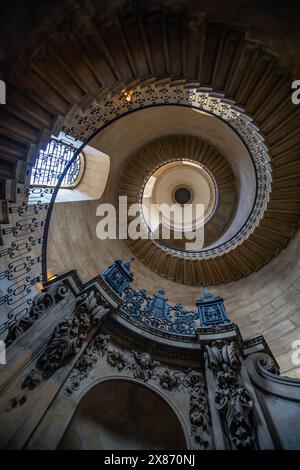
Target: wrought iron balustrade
[(100, 113), (50, 164), (155, 314), (22, 237), (21, 253)]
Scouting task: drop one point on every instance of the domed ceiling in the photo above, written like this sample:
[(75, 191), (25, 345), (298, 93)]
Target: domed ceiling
[(183, 170)]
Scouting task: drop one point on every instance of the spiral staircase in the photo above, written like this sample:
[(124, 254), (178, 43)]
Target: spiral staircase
[(160, 83), (69, 80)]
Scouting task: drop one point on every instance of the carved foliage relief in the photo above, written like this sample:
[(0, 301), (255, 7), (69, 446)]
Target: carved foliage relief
[(232, 399), (65, 342), (142, 366), (42, 304)]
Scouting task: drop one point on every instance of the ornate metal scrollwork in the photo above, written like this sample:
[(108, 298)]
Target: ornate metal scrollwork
[(50, 164), (154, 313), (23, 235), (100, 112)]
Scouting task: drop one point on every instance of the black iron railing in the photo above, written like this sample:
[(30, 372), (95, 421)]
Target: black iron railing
[(50, 164)]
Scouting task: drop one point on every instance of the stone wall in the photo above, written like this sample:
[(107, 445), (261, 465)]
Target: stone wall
[(219, 391), (266, 302)]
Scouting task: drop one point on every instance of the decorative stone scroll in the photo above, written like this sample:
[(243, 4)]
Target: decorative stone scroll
[(142, 366), (21, 254), (42, 303), (153, 313), (232, 400), (199, 415), (66, 341)]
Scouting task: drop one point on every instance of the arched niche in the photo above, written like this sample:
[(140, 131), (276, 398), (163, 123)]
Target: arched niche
[(89, 184), (120, 414)]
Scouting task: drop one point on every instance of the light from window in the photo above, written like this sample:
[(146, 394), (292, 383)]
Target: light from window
[(51, 163)]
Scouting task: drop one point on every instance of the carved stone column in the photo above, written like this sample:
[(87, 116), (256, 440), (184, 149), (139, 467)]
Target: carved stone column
[(232, 400)]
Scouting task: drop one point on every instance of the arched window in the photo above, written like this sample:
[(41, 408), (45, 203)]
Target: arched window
[(85, 179), (51, 163)]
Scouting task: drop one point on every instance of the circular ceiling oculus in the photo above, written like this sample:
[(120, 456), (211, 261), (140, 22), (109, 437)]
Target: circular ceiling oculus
[(182, 195)]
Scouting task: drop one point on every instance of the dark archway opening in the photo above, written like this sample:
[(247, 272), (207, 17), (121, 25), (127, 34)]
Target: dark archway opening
[(121, 414)]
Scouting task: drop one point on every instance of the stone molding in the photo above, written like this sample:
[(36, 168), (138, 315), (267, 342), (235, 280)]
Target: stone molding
[(141, 366)]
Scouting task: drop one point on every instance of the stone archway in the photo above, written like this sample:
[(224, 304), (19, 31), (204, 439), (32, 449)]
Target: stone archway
[(123, 414)]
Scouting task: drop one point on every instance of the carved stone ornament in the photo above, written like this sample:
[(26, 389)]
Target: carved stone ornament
[(232, 400), (66, 340), (86, 362), (42, 303), (169, 380), (270, 365), (140, 365)]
